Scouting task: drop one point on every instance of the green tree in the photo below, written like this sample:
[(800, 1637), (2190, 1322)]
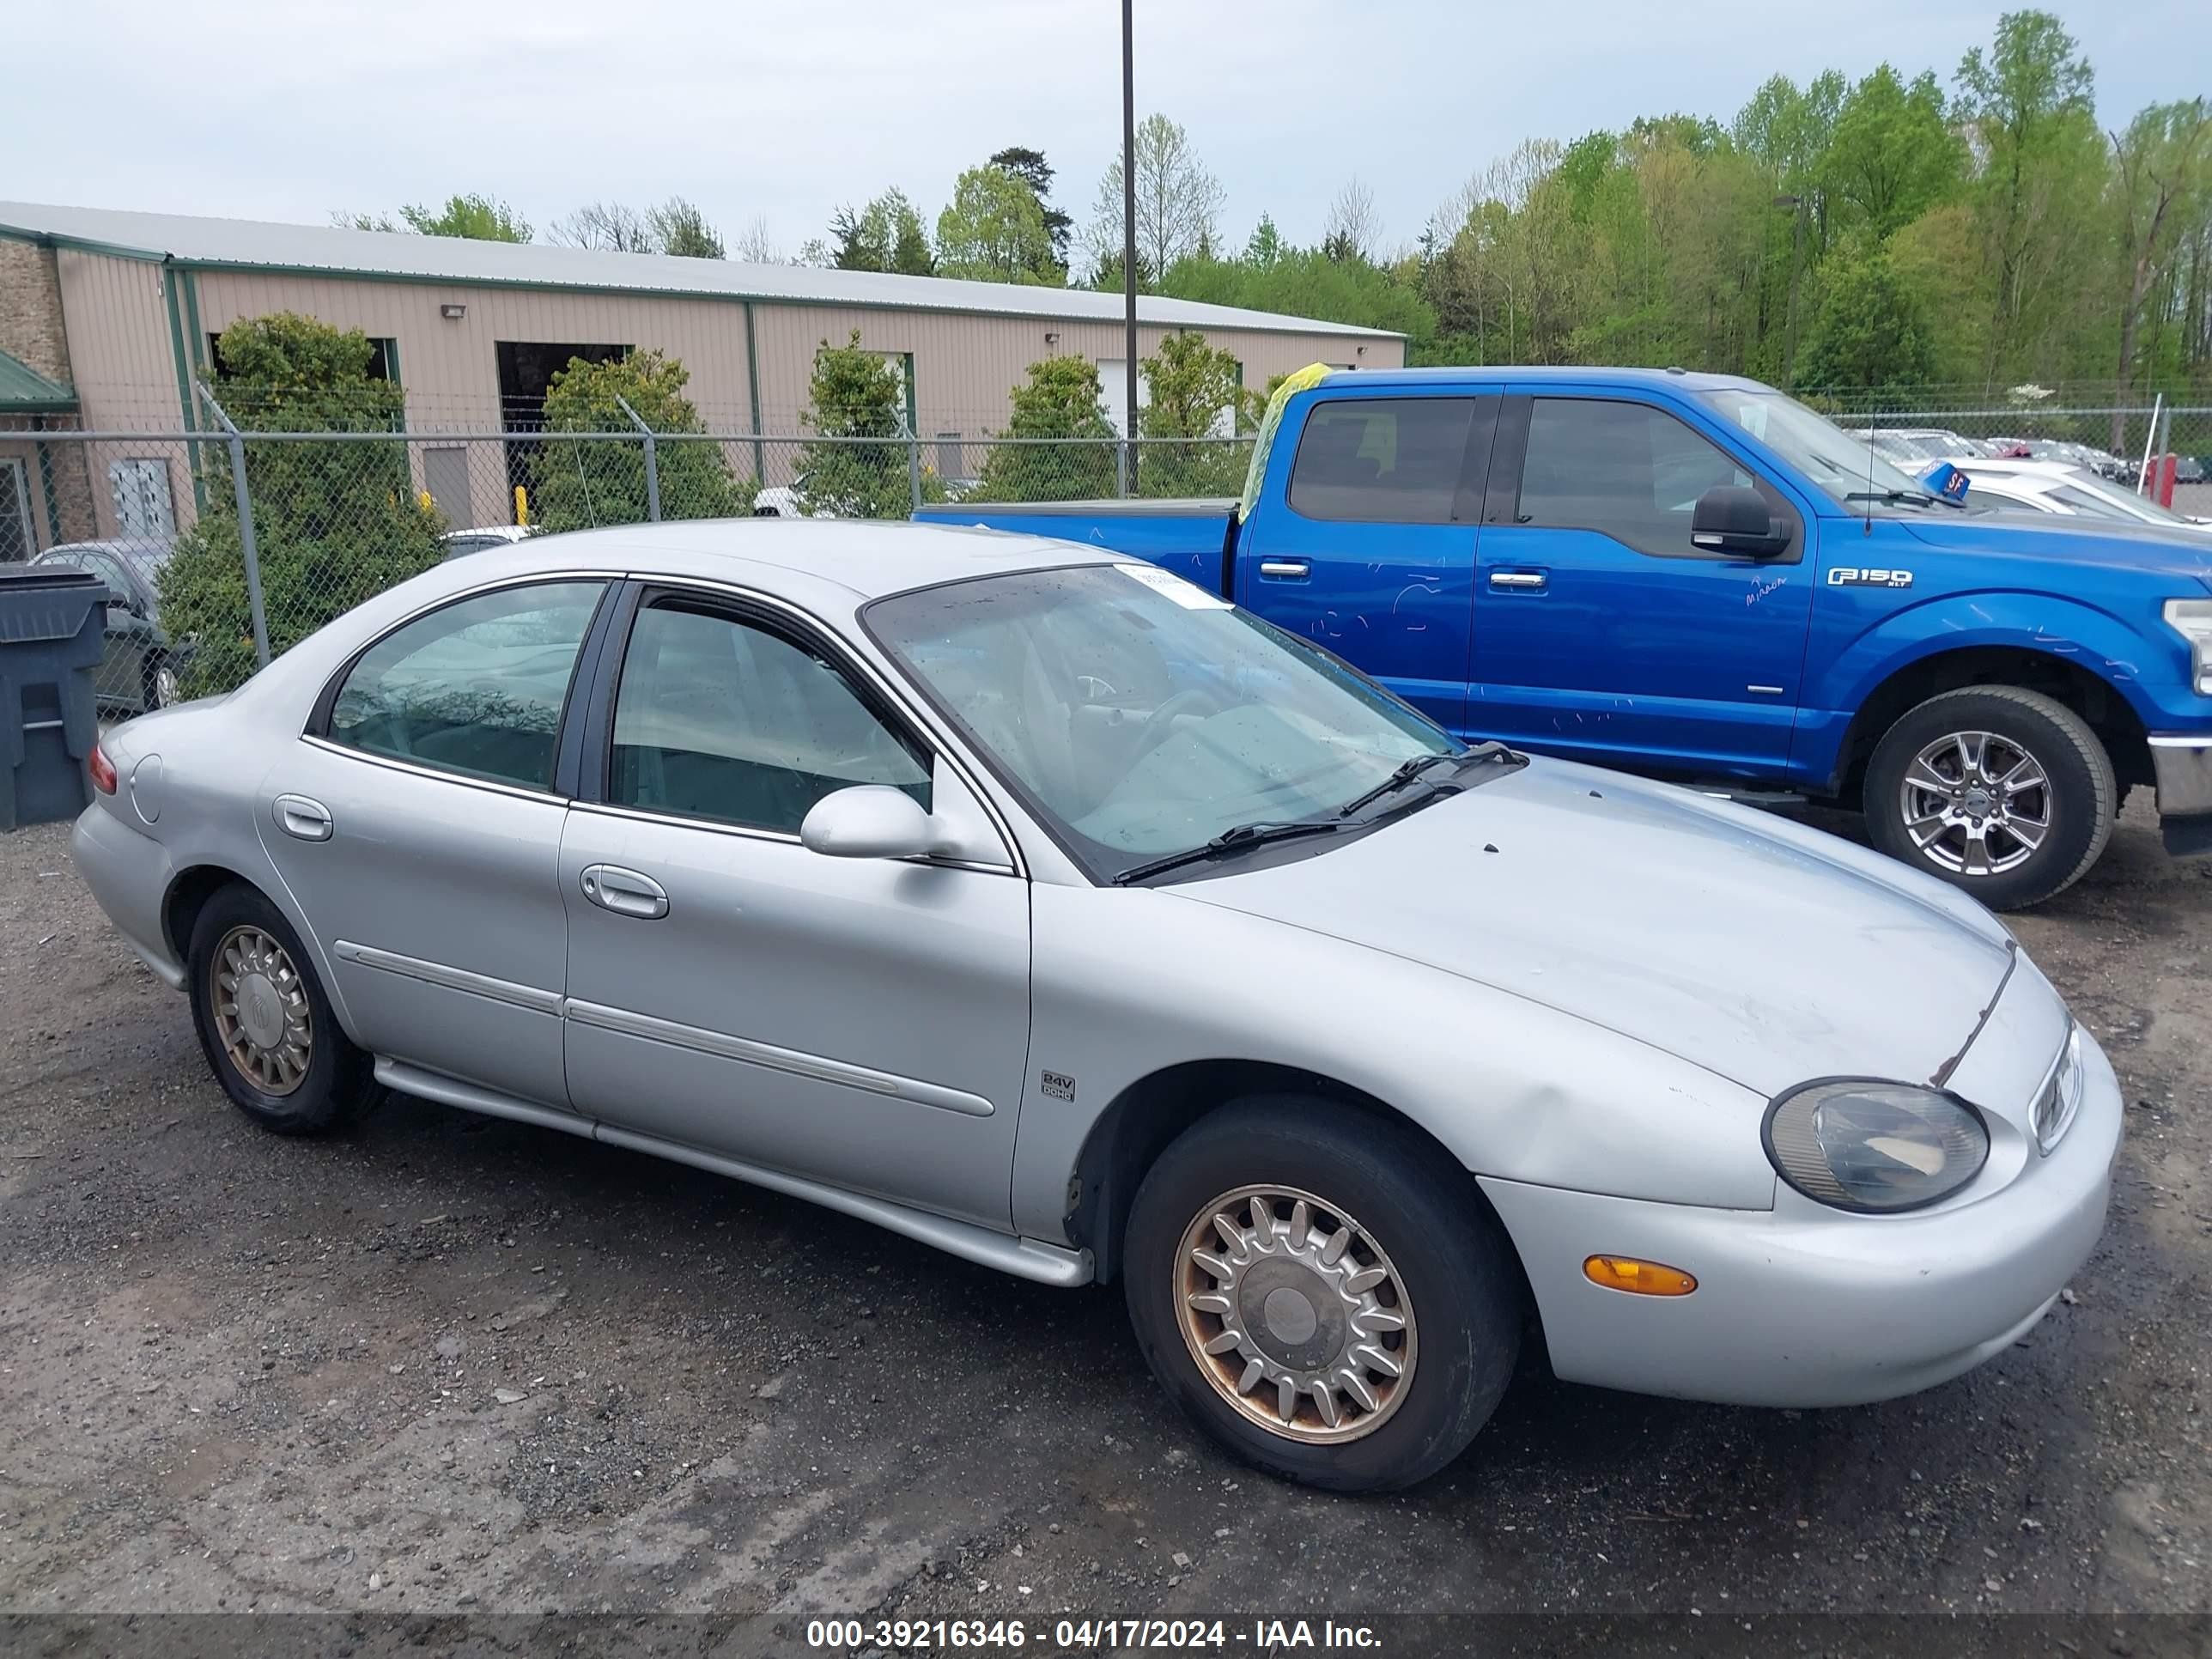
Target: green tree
[(993, 231), (1873, 331), (679, 228), (577, 484), (1893, 155), (887, 235), (2164, 187), (334, 524), (1196, 394), (1060, 399), (1033, 170), (478, 217), (1178, 202), (855, 394)]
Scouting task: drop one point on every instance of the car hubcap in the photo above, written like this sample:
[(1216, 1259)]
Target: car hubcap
[(261, 1013), (1294, 1314), (164, 686), (1976, 803)]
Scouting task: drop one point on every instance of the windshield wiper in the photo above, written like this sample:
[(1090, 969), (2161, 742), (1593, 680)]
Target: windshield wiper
[(1234, 839), (1409, 770), (1897, 497)]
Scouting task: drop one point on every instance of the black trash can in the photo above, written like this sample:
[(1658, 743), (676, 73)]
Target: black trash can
[(53, 632)]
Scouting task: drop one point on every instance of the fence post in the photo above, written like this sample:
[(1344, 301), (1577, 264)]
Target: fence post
[(245, 544), (652, 461), (1121, 471), (912, 462)]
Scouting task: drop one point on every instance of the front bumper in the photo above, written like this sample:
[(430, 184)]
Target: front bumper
[(2182, 766), (1803, 1306)]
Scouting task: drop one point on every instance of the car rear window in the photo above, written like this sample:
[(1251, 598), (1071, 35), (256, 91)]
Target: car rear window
[(1382, 460)]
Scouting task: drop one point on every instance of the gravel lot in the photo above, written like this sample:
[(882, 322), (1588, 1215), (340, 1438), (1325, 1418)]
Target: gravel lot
[(447, 1364)]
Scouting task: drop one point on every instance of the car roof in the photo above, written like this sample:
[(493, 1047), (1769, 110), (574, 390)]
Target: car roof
[(863, 558), (1673, 380), (2054, 470)]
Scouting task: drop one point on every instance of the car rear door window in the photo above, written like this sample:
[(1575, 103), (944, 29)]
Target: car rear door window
[(474, 688), (1385, 460), (719, 717), (1625, 469)]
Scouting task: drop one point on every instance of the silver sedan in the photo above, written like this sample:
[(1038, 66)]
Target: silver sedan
[(1043, 908)]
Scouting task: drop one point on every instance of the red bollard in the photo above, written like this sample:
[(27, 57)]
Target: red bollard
[(2159, 485)]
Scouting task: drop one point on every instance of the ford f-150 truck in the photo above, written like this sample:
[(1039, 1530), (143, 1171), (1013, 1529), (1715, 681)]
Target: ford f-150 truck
[(1697, 577)]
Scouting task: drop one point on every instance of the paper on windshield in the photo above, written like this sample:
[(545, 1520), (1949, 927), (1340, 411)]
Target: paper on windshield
[(1189, 595)]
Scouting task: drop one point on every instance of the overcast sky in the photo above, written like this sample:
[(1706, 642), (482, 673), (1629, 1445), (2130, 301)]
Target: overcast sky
[(288, 109)]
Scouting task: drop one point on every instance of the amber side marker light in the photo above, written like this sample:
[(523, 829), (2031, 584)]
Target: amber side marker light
[(1625, 1272)]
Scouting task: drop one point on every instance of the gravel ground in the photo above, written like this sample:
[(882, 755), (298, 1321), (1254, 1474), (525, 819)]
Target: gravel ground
[(445, 1364)]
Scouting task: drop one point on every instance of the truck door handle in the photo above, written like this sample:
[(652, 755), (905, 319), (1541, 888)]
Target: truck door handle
[(298, 815), (1527, 579), (1286, 570), (625, 892)]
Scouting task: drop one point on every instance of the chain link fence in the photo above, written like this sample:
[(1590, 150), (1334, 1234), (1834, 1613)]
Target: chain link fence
[(224, 548)]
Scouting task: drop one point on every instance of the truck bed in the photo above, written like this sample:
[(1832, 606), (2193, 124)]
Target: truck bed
[(1191, 536)]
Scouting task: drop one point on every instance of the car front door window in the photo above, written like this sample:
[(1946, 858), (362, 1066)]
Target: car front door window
[(720, 718), (1625, 470)]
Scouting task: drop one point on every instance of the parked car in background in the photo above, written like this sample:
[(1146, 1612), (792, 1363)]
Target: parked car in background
[(2053, 487), (483, 538), (1697, 577), (1919, 444), (2009, 449), (139, 669), (1040, 906)]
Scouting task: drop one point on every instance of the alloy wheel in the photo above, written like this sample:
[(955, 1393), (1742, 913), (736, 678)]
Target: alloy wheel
[(1294, 1314), (1976, 803), (262, 1016)]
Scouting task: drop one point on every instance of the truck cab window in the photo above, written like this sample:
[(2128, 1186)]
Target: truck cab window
[(1625, 469), (1385, 460)]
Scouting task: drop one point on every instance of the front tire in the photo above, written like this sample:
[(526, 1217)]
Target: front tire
[(2004, 792), (264, 1023), (1322, 1293)]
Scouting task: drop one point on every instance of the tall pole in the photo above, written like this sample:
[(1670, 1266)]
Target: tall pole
[(1129, 242)]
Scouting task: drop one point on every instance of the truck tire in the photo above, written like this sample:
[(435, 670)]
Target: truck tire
[(1323, 1292), (2004, 792)]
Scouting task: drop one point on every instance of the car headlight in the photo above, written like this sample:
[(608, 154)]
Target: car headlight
[(2192, 620), (1861, 1143)]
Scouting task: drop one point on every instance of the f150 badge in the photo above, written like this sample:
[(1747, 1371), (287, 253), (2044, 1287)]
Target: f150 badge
[(1851, 575)]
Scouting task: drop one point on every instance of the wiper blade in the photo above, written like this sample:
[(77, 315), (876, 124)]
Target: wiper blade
[(1896, 497), (1234, 839), (1409, 770)]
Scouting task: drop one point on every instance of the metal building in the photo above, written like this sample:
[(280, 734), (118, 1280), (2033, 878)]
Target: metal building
[(105, 316)]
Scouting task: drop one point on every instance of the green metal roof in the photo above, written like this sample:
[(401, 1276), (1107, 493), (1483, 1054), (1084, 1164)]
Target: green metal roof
[(24, 391)]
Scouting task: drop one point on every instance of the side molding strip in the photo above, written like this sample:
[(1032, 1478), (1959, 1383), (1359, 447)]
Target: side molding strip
[(451, 979), (626, 1022)]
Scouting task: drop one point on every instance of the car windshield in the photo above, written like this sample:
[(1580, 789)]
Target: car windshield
[(2122, 503), (1839, 464), (1141, 715)]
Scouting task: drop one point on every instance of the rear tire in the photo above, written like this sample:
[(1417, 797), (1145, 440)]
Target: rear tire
[(1410, 1329), (264, 1023), (2005, 793)]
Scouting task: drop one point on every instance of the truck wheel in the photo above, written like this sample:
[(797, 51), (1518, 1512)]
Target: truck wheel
[(2004, 792), (1320, 1295)]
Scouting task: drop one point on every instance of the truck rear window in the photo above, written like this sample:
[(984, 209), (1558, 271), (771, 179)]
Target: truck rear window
[(1383, 460)]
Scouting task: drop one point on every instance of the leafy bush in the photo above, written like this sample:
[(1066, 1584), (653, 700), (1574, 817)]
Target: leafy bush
[(1196, 394), (1059, 400), (578, 484), (334, 523), (855, 393)]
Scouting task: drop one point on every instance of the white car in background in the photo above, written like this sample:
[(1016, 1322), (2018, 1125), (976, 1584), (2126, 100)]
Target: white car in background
[(2054, 487), (1916, 445)]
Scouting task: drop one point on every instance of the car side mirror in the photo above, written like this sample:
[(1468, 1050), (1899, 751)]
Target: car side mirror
[(1727, 519), (872, 821)]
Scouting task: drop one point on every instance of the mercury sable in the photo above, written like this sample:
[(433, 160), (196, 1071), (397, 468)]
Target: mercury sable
[(1041, 907)]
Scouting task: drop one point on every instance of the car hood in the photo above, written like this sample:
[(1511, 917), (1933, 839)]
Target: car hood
[(2173, 551), (1758, 949)]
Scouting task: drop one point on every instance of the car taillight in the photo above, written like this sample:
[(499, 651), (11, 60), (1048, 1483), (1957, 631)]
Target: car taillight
[(102, 770)]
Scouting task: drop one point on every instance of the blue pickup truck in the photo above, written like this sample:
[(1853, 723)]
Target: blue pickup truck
[(1697, 577)]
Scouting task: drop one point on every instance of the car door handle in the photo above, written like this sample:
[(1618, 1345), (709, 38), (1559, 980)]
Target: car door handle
[(1525, 580), (1286, 570), (298, 815), (625, 892)]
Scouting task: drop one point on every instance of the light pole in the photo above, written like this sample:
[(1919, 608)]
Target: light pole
[(1129, 242), (1797, 256)]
